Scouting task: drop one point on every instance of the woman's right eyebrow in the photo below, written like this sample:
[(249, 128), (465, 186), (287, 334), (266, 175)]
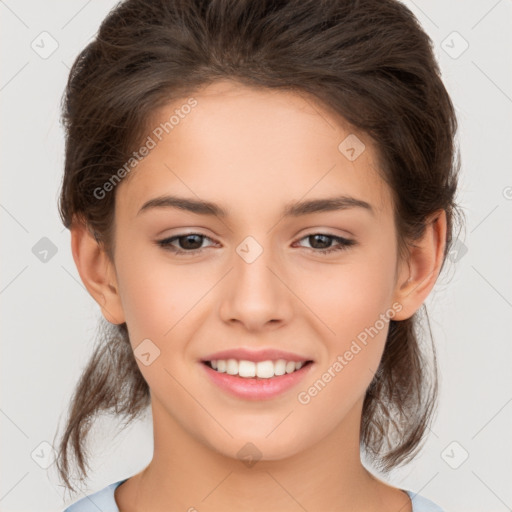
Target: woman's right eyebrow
[(292, 209)]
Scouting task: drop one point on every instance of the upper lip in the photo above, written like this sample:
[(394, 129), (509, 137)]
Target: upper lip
[(255, 355)]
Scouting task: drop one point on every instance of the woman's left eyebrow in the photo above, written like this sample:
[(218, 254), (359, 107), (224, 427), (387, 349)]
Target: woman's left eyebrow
[(292, 209)]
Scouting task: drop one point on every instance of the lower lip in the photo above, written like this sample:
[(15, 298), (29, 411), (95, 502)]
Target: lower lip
[(256, 388)]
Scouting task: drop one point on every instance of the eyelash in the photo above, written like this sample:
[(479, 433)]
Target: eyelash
[(344, 244)]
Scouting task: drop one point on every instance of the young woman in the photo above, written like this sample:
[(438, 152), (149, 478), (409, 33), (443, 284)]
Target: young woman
[(261, 196)]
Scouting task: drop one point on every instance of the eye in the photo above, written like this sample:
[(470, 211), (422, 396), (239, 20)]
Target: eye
[(191, 242), (323, 239)]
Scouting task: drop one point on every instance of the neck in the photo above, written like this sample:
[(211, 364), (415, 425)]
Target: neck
[(184, 474)]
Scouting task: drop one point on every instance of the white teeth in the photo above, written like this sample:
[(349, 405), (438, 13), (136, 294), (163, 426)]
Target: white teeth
[(280, 367), (262, 369), (232, 367), (247, 369), (290, 366)]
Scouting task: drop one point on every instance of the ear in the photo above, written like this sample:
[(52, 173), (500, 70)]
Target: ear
[(419, 273), (96, 271)]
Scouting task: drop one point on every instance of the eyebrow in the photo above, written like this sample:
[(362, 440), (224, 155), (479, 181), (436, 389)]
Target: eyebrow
[(293, 209)]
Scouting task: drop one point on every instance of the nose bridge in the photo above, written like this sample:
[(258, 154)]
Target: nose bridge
[(252, 262)]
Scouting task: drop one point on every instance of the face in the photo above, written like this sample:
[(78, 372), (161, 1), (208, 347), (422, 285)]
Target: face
[(316, 284)]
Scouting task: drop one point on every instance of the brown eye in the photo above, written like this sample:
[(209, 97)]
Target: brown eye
[(322, 243), (187, 243)]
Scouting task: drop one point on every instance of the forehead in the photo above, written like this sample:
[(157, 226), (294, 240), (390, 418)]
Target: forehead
[(247, 148)]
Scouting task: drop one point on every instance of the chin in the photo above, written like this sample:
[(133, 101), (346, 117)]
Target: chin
[(253, 449)]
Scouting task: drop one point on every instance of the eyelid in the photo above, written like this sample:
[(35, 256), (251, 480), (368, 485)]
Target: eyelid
[(325, 231)]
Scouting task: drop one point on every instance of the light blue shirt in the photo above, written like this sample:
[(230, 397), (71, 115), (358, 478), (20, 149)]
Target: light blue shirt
[(104, 501)]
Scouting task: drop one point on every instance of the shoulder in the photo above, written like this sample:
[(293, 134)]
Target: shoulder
[(421, 504), (104, 500), (101, 500)]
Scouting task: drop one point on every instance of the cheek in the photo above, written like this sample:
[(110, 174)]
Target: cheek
[(157, 301), (356, 306), (353, 354), (349, 297), (155, 294)]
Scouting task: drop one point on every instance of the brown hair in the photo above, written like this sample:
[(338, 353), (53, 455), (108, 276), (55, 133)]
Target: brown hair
[(366, 60)]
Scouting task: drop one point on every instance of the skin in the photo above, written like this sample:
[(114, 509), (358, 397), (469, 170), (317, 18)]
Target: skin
[(231, 150)]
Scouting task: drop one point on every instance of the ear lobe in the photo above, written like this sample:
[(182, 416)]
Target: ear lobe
[(420, 272), (96, 271)]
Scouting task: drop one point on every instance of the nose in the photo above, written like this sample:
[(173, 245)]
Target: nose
[(255, 293)]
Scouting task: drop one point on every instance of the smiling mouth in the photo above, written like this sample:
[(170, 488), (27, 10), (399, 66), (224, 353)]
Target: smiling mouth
[(256, 370)]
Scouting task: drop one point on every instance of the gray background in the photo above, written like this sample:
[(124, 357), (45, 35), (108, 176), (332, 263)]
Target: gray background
[(48, 319)]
